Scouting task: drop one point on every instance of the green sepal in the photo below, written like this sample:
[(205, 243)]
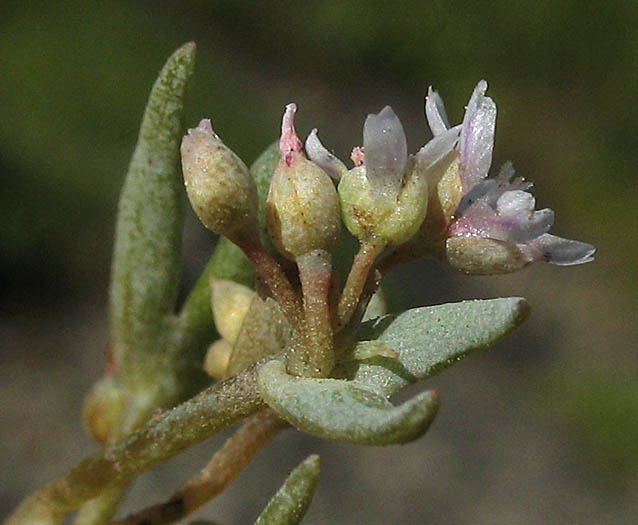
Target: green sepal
[(289, 505), (145, 271), (430, 339), (344, 410)]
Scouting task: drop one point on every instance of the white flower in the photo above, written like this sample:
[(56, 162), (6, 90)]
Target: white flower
[(384, 197)]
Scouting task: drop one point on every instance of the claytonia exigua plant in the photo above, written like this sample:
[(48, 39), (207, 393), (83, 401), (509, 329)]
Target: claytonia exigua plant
[(269, 320)]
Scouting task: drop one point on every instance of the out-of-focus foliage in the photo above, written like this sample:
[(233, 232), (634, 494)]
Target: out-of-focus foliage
[(75, 76)]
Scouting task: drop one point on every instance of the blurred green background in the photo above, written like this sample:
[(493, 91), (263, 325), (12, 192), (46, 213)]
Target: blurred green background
[(544, 428)]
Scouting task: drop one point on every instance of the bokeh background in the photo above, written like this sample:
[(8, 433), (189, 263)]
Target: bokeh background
[(542, 428)]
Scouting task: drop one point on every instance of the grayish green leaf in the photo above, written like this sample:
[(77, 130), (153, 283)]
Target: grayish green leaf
[(145, 268), (344, 410), (430, 339), (288, 506)]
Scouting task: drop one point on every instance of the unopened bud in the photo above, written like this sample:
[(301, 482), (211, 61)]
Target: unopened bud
[(302, 207), (219, 186), (102, 409), (217, 358), (230, 304)]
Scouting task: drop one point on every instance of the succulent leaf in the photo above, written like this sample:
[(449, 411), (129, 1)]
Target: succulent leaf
[(145, 268), (288, 506), (344, 410), (430, 339)]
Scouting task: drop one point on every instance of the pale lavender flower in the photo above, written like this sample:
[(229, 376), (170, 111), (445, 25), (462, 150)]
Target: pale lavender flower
[(499, 209)]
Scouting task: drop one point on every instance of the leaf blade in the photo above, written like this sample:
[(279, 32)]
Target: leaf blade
[(289, 505), (344, 410), (145, 270), (430, 339)]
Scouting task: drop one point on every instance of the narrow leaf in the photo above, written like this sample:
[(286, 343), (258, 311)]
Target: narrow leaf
[(145, 268), (430, 339), (344, 410), (289, 505)]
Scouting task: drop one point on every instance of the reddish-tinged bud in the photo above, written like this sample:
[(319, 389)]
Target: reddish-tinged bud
[(302, 207)]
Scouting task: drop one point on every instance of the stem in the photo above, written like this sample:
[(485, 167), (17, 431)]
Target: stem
[(344, 337), (316, 357), (401, 254), (226, 464), (361, 265), (164, 436), (273, 275)]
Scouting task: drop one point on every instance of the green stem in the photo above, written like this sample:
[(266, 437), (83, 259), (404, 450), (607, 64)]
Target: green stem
[(357, 277), (164, 436), (226, 464), (316, 357), (274, 277)]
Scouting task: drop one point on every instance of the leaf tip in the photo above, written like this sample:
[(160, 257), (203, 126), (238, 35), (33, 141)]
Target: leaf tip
[(188, 48)]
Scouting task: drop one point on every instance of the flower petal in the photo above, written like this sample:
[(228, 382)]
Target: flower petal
[(386, 151), (437, 148), (317, 153), (435, 113), (562, 252), (477, 137), (479, 220), (516, 212)]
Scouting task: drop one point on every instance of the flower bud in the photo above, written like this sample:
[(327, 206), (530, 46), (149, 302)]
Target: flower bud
[(217, 359), (219, 186), (102, 409), (302, 208), (230, 304), (386, 195)]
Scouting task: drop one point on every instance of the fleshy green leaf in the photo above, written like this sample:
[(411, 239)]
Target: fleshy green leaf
[(148, 234), (288, 506), (430, 339), (344, 410)]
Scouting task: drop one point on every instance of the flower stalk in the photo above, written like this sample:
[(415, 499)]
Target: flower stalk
[(316, 357)]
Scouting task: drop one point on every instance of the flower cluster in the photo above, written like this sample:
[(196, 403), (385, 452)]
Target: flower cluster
[(478, 225), (438, 202)]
